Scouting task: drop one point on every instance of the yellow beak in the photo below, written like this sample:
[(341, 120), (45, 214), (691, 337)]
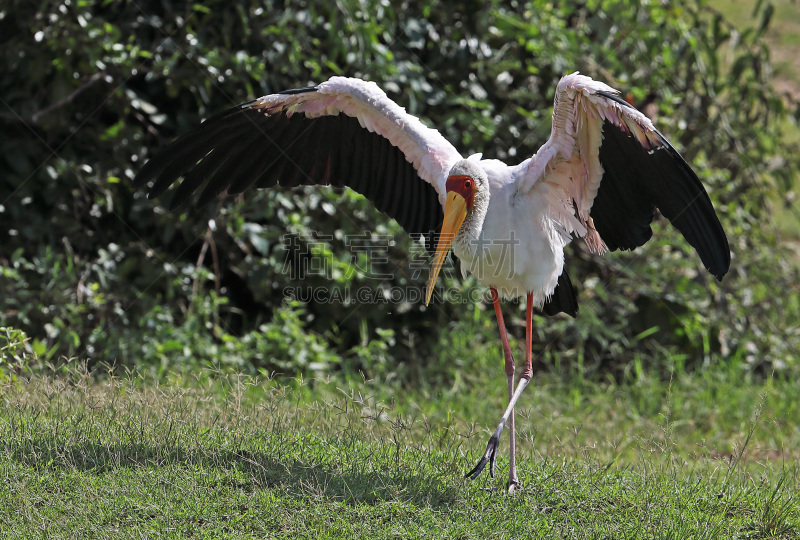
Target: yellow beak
[(455, 210)]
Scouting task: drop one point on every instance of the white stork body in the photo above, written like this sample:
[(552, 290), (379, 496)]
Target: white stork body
[(512, 258), (600, 176)]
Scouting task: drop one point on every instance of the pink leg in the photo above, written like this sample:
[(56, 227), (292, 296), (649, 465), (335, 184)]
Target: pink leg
[(510, 367), (491, 449), (527, 371)]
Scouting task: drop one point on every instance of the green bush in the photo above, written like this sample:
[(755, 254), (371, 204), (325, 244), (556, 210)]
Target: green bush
[(15, 353), (93, 269)]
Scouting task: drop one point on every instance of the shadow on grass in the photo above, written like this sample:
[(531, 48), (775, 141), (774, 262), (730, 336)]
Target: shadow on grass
[(242, 470)]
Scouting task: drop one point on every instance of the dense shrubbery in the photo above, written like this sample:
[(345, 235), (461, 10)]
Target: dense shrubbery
[(92, 269)]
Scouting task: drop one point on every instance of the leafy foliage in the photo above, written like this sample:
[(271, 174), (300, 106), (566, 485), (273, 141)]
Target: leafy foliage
[(14, 353), (92, 269)]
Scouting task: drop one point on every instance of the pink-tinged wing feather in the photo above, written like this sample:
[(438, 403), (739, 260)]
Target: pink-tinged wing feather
[(606, 169), (430, 153), (341, 133), (569, 160)]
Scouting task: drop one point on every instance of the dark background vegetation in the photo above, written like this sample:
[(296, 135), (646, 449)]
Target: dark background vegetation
[(91, 269)]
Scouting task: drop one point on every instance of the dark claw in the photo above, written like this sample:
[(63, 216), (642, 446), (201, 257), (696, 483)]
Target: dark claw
[(490, 456)]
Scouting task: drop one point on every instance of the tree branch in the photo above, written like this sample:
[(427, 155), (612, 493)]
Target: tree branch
[(35, 117)]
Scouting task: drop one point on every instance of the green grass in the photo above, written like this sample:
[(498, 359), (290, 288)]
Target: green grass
[(231, 457)]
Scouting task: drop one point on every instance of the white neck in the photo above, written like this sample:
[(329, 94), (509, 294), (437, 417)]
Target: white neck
[(470, 231)]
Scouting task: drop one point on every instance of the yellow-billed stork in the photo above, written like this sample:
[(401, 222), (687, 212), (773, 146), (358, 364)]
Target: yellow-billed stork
[(600, 176)]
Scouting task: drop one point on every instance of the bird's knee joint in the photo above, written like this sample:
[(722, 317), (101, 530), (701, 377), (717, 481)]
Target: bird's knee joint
[(510, 368)]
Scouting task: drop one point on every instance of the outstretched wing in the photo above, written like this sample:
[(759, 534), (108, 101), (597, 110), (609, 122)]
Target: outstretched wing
[(606, 169), (343, 132)]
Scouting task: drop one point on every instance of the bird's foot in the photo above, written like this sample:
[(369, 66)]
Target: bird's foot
[(490, 456), (512, 486)]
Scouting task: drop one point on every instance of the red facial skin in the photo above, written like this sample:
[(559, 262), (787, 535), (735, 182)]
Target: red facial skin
[(464, 186)]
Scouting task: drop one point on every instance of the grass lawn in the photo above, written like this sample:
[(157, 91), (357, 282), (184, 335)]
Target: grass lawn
[(229, 457)]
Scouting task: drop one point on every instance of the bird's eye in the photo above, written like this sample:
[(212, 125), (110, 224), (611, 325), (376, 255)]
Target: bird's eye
[(468, 183)]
